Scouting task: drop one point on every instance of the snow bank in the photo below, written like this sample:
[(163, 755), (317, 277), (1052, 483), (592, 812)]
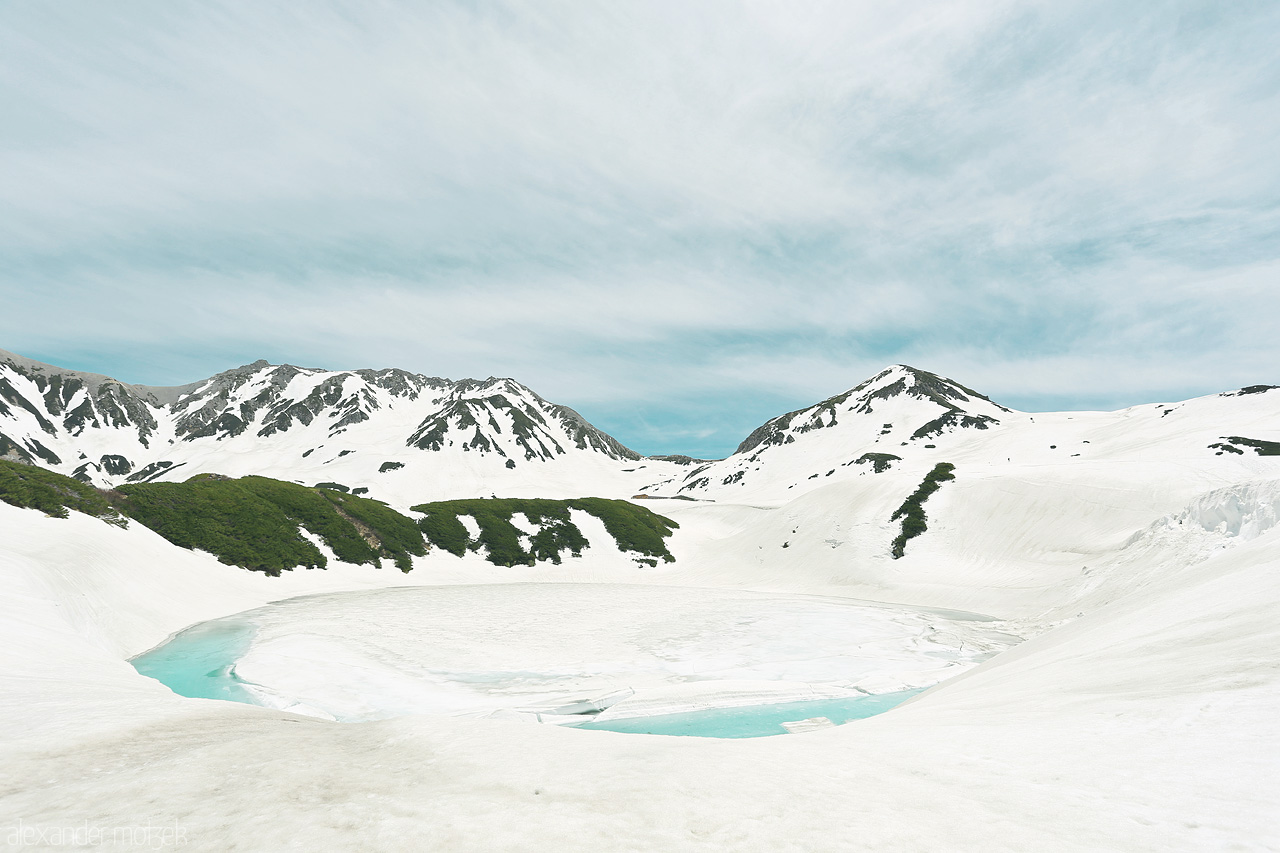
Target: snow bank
[(1242, 512)]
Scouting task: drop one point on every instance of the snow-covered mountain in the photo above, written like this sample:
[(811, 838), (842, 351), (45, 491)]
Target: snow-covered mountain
[(407, 438), (905, 419), (394, 433)]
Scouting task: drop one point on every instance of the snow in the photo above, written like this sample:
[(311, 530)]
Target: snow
[(1140, 715), (1020, 443), (453, 471), (480, 649), (809, 725)]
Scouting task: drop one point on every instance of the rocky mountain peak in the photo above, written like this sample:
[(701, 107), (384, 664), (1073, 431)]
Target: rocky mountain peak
[(903, 380), (959, 406), (66, 419)]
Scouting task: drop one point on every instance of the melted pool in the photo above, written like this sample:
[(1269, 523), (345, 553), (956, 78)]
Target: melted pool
[(754, 720), (199, 663)]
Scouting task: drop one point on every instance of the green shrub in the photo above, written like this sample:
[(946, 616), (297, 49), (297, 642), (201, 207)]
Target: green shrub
[(225, 518), (1262, 448), (53, 494), (397, 534), (634, 528), (914, 521), (499, 537), (442, 528), (880, 462), (255, 522), (310, 509)]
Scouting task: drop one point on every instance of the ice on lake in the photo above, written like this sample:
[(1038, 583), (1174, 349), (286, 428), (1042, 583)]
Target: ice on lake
[(552, 652)]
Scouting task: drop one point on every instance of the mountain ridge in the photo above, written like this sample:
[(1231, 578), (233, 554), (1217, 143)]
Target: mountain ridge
[(104, 431), (407, 437)]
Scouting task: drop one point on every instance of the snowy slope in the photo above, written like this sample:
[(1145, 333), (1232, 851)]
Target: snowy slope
[(905, 419), (1141, 718)]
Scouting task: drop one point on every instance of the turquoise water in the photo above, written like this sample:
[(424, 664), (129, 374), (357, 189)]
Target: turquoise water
[(199, 662), (754, 720)]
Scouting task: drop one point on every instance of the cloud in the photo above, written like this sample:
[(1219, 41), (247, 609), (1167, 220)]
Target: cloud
[(718, 210)]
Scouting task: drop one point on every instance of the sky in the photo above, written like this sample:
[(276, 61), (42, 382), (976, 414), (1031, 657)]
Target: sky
[(681, 219)]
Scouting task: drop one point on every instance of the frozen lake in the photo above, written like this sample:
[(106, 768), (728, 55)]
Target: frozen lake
[(556, 652)]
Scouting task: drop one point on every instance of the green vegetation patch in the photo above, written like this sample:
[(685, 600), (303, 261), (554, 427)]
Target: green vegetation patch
[(256, 522), (397, 535), (911, 512), (498, 536), (1233, 443), (879, 462), (312, 509), (633, 528), (225, 518), (53, 494), (442, 528)]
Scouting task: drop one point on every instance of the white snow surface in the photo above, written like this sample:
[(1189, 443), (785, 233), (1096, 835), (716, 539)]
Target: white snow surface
[(1139, 716), (480, 649)]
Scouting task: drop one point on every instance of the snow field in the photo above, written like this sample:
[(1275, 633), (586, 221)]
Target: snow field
[(479, 649), (1139, 717)]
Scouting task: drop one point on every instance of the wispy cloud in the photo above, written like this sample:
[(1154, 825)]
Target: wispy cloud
[(679, 218)]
